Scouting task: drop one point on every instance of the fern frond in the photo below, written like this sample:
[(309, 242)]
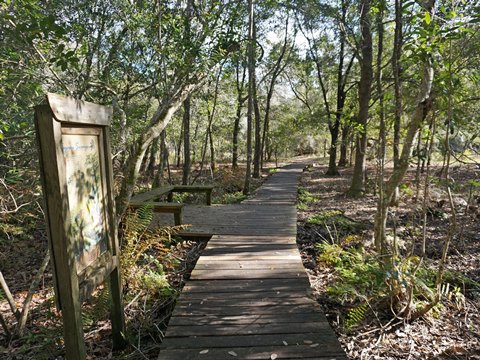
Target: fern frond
[(356, 315)]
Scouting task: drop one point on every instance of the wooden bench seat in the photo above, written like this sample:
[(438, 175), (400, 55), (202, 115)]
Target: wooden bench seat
[(153, 194), (207, 189), (162, 207), (150, 198)]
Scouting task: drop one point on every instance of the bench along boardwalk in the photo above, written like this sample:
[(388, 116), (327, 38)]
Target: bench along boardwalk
[(248, 294)]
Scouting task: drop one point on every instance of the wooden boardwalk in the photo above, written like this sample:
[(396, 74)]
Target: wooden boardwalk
[(248, 294)]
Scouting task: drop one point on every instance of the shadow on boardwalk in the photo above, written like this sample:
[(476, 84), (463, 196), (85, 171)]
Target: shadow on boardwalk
[(247, 297)]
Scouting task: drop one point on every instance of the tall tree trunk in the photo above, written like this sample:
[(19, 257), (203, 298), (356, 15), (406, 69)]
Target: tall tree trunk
[(332, 152), (240, 84), (382, 130), (257, 153), (178, 157), (397, 81), (344, 145), (186, 141), (163, 161), (251, 83), (277, 70), (397, 84), (153, 160), (357, 187), (236, 131), (342, 75), (212, 150)]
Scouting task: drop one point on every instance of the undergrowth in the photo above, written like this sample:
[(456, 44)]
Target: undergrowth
[(369, 287)]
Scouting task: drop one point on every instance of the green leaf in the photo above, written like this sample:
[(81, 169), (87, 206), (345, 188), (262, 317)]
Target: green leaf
[(427, 18)]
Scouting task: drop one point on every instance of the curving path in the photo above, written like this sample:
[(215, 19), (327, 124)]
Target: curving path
[(248, 294)]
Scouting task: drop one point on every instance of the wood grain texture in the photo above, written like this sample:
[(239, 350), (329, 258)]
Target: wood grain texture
[(248, 296), (67, 109)]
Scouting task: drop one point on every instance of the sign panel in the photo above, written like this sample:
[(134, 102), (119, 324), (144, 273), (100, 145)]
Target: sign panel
[(86, 195)]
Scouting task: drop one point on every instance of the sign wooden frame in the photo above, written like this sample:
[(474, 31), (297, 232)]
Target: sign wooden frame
[(77, 178)]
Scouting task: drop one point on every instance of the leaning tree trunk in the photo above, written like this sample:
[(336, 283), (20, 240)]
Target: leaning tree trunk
[(421, 111), (160, 119), (357, 187)]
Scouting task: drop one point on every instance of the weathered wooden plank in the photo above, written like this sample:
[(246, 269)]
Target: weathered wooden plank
[(252, 251), (248, 274), (247, 256), (319, 328), (250, 285), (152, 194), (252, 264), (254, 340), (65, 108), (263, 296), (256, 302), (252, 246), (302, 351), (245, 310), (245, 319)]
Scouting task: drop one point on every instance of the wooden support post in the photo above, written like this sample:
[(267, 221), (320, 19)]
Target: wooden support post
[(209, 196)]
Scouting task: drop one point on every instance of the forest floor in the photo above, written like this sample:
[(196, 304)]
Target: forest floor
[(327, 221), (334, 230)]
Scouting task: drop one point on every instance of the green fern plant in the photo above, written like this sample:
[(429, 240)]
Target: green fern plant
[(145, 251), (99, 308), (356, 315)]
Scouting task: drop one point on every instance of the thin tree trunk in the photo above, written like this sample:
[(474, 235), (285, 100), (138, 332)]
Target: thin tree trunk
[(31, 290), (178, 152), (251, 83), (186, 141), (382, 130), (344, 145), (357, 187), (153, 159), (163, 161), (212, 150), (397, 83), (257, 153), (277, 69), (240, 84)]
